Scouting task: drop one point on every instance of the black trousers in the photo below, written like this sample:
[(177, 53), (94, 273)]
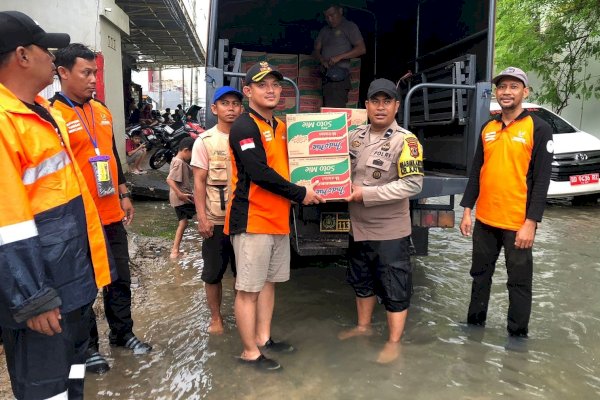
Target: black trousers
[(117, 295), (335, 94), (487, 243), (39, 365)]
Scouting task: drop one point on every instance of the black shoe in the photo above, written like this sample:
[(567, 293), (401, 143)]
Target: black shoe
[(517, 344), (277, 347), (262, 363), (130, 342), (96, 364)]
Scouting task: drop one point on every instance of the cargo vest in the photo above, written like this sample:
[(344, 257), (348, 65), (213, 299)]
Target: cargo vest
[(218, 180)]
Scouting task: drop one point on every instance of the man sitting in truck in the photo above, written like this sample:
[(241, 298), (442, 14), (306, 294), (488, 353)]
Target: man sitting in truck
[(335, 45), (387, 169)]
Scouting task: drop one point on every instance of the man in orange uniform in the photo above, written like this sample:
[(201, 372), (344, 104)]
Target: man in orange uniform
[(53, 255), (509, 181), (257, 218), (89, 125)]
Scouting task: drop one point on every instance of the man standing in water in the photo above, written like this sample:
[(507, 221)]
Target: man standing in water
[(509, 181), (387, 169), (90, 129), (212, 187), (52, 248), (258, 215)]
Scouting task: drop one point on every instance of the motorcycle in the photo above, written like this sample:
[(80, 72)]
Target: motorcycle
[(170, 144), (149, 135)]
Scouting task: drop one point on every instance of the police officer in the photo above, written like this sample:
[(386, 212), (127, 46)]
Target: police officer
[(387, 169)]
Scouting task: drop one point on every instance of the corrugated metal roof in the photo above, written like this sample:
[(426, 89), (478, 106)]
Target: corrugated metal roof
[(161, 33)]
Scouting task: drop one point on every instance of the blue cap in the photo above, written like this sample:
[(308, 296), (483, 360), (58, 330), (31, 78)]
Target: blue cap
[(222, 91)]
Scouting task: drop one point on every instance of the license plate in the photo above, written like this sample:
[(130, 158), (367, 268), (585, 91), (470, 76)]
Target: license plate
[(584, 179), (335, 222)]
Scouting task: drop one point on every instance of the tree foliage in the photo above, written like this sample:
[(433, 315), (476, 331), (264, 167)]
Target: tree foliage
[(556, 40)]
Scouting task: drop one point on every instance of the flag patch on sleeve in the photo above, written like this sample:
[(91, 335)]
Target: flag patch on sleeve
[(247, 144)]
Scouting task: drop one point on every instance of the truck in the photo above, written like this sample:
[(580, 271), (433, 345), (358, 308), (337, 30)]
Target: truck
[(440, 53)]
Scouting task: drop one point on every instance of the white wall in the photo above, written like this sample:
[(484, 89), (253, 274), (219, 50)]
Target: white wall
[(584, 114), (90, 23)]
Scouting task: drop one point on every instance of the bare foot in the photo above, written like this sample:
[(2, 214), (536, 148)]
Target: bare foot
[(174, 255), (216, 327), (390, 352), (356, 331)]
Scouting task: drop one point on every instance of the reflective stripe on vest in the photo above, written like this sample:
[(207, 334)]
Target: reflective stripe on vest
[(14, 233), (48, 166)]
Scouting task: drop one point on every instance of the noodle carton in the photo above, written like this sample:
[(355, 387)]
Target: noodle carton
[(332, 173), (315, 135), (356, 116)]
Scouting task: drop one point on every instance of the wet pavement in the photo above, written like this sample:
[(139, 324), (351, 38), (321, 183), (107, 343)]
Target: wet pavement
[(440, 357)]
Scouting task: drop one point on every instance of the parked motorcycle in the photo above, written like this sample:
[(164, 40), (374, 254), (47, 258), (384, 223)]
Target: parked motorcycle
[(170, 144)]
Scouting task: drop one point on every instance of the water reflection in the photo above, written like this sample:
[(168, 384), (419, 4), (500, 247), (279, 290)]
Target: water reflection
[(441, 358)]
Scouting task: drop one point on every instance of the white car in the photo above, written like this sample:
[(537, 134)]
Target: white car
[(576, 165)]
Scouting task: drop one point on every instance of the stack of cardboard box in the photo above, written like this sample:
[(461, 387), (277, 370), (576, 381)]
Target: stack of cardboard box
[(354, 82), (318, 152), (306, 72), (354, 116)]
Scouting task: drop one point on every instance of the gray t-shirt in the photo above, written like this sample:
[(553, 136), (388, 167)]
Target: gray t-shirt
[(335, 41), (180, 172)]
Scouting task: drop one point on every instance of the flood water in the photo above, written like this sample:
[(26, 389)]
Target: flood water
[(440, 358)]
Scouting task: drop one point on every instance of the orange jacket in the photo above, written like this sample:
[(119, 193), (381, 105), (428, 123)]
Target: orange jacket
[(511, 170), (260, 177), (49, 224), (109, 206)]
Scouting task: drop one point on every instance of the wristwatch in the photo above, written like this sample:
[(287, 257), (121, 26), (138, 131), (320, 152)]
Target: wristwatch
[(124, 195)]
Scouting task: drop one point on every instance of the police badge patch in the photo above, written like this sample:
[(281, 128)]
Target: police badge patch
[(376, 174), (413, 145), (356, 143), (386, 146)]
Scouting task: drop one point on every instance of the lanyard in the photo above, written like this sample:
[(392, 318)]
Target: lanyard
[(92, 139)]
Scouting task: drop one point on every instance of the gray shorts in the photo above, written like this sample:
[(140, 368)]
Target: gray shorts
[(260, 258), (132, 158)]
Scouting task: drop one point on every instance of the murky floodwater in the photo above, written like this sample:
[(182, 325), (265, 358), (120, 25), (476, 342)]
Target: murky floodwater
[(440, 358)]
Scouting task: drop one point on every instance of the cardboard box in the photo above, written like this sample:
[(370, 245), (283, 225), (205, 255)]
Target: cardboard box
[(315, 135), (354, 116), (249, 58), (332, 173), (287, 64), (311, 102), (309, 82)]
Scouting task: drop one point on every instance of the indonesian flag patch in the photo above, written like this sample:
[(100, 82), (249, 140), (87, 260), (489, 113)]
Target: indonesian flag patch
[(247, 144)]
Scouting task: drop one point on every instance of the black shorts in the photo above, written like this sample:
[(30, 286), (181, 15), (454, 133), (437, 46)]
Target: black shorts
[(185, 211), (382, 268), (217, 253)]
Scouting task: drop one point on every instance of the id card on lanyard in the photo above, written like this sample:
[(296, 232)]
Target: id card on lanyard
[(100, 163)]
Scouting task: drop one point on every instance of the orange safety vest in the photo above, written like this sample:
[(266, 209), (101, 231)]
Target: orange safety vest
[(38, 175), (101, 131), (507, 150), (258, 210)]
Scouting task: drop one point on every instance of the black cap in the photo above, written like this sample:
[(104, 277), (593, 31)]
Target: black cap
[(383, 85), (17, 29), (258, 71)]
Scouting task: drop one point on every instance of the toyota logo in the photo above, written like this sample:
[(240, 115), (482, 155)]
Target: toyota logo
[(581, 157)]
